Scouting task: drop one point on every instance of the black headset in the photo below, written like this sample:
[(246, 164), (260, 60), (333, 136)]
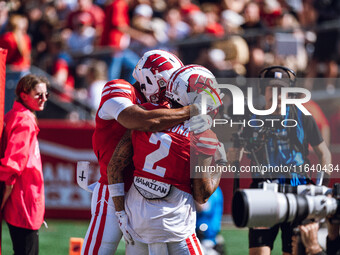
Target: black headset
[(290, 72)]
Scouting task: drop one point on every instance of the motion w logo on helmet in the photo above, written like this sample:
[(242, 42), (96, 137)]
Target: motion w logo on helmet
[(199, 83), (157, 63)]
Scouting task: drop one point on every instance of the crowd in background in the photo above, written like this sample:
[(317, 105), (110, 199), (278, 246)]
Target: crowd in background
[(84, 43)]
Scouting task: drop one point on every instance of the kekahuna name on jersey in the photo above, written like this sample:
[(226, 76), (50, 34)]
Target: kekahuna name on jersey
[(179, 129)]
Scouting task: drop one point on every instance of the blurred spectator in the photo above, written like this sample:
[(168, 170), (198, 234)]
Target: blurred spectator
[(234, 5), (308, 14), (326, 45), (159, 7), (290, 45), (143, 21), (96, 13), (63, 9), (116, 16), (186, 8), (18, 44), (236, 53), (213, 26), (218, 64), (196, 53), (116, 34), (41, 37), (38, 10), (254, 24), (226, 58), (231, 21), (96, 78), (59, 66), (176, 28), (3, 17), (101, 3), (198, 22), (252, 19), (83, 35), (87, 6), (271, 11), (15, 6), (295, 6)]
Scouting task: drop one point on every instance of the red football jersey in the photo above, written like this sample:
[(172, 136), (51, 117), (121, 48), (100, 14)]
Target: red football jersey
[(165, 156), (108, 133)]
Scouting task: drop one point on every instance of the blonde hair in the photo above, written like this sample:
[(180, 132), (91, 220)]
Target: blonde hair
[(14, 21)]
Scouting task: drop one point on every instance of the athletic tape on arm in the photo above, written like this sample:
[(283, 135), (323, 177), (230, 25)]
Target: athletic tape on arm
[(116, 190)]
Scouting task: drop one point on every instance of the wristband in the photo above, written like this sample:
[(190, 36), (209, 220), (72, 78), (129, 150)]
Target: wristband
[(116, 190)]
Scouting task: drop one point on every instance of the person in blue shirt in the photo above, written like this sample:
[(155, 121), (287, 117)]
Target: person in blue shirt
[(277, 145), (208, 224)]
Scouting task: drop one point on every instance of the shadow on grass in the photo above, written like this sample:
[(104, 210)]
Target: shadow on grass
[(55, 239)]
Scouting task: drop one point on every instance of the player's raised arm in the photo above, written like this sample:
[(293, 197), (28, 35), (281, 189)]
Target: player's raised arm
[(135, 117)]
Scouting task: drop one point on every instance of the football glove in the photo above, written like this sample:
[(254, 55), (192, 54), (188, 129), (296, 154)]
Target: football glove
[(123, 225)]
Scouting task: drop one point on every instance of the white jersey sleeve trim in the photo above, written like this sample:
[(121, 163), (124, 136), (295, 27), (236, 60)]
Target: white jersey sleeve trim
[(116, 91), (208, 139), (113, 107), (208, 146)]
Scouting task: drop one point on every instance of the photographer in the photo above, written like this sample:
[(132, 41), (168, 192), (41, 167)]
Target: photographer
[(309, 237), (275, 145)]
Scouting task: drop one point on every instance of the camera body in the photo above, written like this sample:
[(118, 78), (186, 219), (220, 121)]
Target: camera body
[(273, 204)]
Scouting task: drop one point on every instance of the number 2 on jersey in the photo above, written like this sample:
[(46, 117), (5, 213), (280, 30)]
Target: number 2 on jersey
[(157, 155)]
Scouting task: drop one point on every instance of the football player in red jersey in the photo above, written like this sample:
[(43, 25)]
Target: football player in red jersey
[(119, 110), (159, 214)]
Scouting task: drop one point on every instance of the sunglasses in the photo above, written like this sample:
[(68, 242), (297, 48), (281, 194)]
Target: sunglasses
[(41, 95)]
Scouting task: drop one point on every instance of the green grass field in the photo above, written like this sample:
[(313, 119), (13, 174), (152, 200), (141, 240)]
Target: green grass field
[(55, 239)]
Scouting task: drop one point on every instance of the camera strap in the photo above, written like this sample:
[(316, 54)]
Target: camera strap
[(297, 133)]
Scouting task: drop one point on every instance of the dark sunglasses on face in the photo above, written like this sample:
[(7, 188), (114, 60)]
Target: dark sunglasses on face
[(41, 95)]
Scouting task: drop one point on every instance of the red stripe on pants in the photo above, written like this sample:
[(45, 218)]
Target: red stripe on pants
[(89, 240), (197, 244), (190, 247), (101, 225)]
